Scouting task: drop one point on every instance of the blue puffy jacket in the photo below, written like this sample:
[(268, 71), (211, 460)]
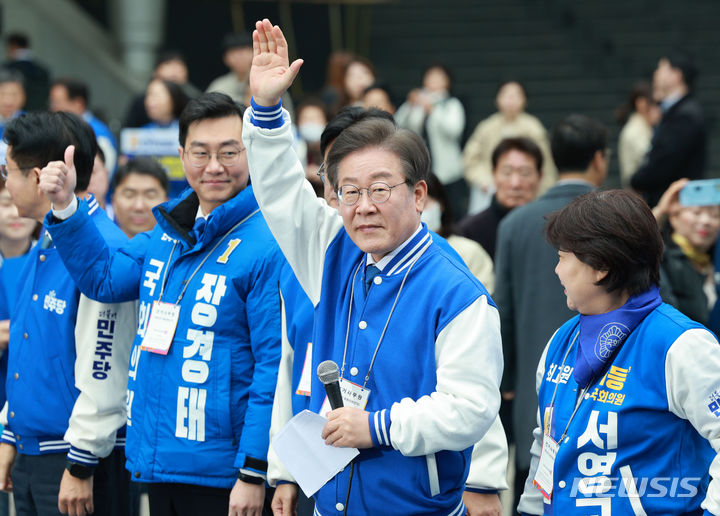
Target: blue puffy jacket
[(201, 412)]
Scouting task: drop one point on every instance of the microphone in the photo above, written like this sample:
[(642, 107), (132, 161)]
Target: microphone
[(329, 375)]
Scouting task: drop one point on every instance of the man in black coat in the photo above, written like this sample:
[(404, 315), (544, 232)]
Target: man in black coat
[(517, 170), (37, 78), (528, 294), (678, 148)]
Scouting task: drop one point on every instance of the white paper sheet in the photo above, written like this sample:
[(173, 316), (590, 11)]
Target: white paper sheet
[(306, 456)]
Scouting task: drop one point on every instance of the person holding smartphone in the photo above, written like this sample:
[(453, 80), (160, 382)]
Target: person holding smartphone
[(689, 216)]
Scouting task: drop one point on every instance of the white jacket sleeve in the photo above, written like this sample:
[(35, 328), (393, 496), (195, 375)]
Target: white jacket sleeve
[(467, 397), (303, 225), (531, 501), (488, 467), (282, 403), (692, 376), (103, 337)]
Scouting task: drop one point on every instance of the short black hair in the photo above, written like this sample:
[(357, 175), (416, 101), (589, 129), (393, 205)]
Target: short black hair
[(311, 101), (9, 75), (683, 60), (208, 106), (436, 190), (37, 138), (346, 117), (524, 145), (76, 89), (169, 55), (612, 231), (144, 166), (381, 133), (178, 98), (382, 86), (574, 142), (511, 81), (443, 68), (234, 40), (18, 39)]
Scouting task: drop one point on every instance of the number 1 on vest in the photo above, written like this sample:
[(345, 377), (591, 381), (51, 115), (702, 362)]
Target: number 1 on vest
[(232, 244)]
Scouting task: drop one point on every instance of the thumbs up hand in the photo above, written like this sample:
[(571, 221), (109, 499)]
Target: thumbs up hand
[(58, 180)]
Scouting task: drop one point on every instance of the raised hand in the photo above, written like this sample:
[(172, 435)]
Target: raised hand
[(670, 200), (58, 180), (271, 74)]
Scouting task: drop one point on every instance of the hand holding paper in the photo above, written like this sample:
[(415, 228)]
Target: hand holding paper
[(302, 449)]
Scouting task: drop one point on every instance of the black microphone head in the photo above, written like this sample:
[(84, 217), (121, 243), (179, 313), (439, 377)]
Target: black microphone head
[(328, 372)]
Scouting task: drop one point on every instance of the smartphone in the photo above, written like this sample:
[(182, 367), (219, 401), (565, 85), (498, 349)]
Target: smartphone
[(704, 192)]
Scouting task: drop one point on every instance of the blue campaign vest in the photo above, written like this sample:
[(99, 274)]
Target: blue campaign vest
[(623, 433), (436, 290)]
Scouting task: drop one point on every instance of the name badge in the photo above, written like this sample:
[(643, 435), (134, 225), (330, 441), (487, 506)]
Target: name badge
[(303, 388), (353, 396), (543, 479), (548, 420), (161, 327)]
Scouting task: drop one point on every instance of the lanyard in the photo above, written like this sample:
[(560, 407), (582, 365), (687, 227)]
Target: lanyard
[(387, 322), (207, 255), (582, 392), (580, 398)]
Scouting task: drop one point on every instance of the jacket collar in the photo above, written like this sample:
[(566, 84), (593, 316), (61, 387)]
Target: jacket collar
[(409, 253), (177, 217), (498, 209), (569, 188)]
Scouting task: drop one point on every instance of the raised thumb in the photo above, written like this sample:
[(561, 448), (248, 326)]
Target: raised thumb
[(69, 157)]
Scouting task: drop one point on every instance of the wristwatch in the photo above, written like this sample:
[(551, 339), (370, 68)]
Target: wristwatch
[(250, 479), (79, 470)]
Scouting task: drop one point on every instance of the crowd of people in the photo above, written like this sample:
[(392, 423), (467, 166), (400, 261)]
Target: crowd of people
[(159, 331)]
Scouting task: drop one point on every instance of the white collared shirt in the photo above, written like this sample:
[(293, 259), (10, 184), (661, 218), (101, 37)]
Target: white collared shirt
[(574, 181), (670, 101)]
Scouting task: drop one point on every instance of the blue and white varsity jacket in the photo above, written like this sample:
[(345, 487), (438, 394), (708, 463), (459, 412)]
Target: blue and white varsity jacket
[(435, 382), (640, 440), (488, 468), (202, 412), (67, 358)]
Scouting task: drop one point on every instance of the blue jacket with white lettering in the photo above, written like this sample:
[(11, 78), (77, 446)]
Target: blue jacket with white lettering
[(44, 381), (638, 441), (201, 412)]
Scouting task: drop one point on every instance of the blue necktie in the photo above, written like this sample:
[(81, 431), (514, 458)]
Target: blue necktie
[(46, 242), (199, 228), (370, 272)]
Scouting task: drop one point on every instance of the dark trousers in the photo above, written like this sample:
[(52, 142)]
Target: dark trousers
[(519, 485), (36, 483), (192, 500), (306, 506)]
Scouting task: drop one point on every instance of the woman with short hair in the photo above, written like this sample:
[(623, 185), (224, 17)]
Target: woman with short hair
[(628, 390)]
